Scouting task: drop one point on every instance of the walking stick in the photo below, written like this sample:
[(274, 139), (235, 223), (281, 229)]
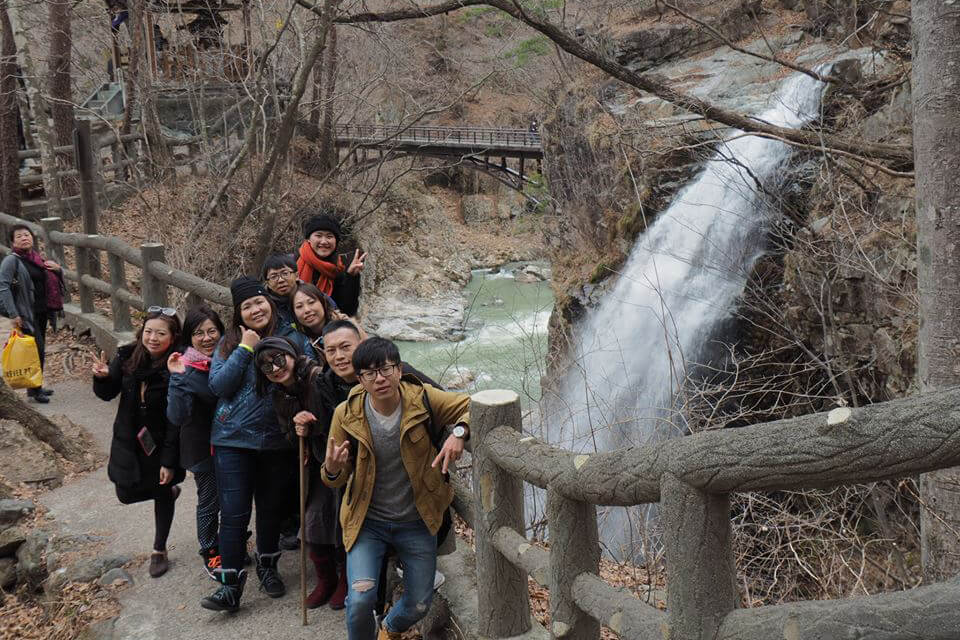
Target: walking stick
[(303, 542)]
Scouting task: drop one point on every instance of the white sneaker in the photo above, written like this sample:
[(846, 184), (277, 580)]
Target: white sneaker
[(438, 578)]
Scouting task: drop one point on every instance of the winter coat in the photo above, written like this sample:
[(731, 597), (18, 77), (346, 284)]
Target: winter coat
[(16, 291), (129, 465), (191, 405), (431, 493), (244, 419), (346, 293), (285, 316)]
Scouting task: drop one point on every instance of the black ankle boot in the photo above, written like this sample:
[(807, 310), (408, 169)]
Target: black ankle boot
[(270, 582), (227, 597)]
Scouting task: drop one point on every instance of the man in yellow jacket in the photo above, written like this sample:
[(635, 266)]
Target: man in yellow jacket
[(392, 500)]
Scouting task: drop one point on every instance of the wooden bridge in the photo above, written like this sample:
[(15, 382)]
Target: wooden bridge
[(484, 149), (691, 477)]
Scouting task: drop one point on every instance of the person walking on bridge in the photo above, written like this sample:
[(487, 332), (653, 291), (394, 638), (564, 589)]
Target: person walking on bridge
[(391, 500), (145, 447), (319, 264), (251, 454)]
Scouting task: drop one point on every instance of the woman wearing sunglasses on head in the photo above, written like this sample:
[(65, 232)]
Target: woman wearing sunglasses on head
[(251, 454), (190, 405), (304, 401), (144, 450)]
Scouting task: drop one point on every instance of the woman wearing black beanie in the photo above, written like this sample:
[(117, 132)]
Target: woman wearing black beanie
[(251, 454), (319, 264)]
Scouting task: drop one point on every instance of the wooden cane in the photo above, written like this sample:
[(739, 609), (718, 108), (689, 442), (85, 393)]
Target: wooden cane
[(303, 542)]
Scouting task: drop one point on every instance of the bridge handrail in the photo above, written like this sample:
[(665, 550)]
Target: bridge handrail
[(692, 479), (156, 275), (440, 134)]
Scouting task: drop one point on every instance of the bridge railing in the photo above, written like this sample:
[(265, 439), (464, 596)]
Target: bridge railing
[(155, 274), (483, 137), (692, 478)]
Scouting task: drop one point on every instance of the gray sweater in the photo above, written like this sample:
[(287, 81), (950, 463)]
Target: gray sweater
[(16, 291)]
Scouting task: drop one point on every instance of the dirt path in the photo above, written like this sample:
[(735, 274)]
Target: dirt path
[(167, 608)]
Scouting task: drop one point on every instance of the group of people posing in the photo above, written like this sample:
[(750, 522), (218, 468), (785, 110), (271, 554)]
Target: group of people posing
[(228, 403)]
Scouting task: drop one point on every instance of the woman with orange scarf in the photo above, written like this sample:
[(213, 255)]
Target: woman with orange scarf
[(319, 264)]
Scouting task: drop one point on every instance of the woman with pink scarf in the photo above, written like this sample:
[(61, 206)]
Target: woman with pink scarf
[(31, 293)]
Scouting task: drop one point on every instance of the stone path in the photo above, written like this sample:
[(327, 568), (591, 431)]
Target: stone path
[(167, 608)]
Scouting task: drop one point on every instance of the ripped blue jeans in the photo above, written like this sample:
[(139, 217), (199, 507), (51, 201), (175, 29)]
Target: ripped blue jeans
[(416, 549)]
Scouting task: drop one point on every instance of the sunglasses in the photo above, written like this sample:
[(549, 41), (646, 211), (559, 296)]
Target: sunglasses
[(167, 311), (275, 362)]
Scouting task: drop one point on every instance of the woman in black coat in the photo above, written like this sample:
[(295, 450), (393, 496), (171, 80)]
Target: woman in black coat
[(144, 451)]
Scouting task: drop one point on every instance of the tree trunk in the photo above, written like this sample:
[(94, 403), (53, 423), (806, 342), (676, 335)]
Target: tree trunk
[(133, 67), (38, 108), (328, 145), (13, 408), (936, 135), (316, 94), (59, 80), (9, 164)]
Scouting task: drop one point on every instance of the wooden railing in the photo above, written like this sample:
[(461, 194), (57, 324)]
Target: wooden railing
[(155, 274), (692, 478), (473, 136)]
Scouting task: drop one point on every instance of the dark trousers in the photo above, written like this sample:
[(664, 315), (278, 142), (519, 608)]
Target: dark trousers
[(246, 477), (40, 335)]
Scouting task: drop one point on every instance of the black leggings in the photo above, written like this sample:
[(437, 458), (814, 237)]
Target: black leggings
[(164, 501)]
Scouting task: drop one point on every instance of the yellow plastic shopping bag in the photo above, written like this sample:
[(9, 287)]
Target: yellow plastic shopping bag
[(21, 362)]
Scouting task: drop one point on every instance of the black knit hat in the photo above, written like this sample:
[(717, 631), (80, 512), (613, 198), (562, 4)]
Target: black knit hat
[(275, 343), (322, 223), (244, 288)]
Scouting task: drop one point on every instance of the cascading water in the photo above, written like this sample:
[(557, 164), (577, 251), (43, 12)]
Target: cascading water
[(681, 281)]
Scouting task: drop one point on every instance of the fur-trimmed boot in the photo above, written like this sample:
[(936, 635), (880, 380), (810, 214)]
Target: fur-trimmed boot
[(270, 582)]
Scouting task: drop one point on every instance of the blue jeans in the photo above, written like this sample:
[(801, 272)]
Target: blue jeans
[(416, 548), (245, 476)]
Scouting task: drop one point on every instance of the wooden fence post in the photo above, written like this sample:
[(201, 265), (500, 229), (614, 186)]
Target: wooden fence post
[(503, 599), (84, 158), (54, 249), (574, 549), (86, 293), (153, 290), (119, 309), (701, 576)]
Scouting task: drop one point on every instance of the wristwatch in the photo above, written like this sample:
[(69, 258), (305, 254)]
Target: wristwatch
[(460, 431)]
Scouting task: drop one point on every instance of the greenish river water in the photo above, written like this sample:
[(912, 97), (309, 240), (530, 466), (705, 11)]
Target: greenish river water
[(505, 343)]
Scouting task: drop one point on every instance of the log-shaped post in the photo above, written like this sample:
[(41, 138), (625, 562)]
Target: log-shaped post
[(86, 159), (54, 249), (701, 576), (503, 599), (574, 549), (119, 309), (152, 289), (86, 293)]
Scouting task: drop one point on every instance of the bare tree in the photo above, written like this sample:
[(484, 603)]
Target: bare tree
[(59, 79), (9, 165), (936, 134)]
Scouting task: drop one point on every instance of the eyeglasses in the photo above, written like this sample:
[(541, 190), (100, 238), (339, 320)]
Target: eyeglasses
[(277, 361), (386, 371), (167, 311), (280, 275)]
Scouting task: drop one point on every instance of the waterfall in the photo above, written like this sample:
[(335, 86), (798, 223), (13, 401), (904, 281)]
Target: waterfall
[(680, 282)]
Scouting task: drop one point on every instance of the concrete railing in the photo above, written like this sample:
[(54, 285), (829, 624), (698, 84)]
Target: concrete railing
[(155, 277), (692, 478)]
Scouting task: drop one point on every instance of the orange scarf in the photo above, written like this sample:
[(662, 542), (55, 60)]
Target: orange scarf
[(311, 268)]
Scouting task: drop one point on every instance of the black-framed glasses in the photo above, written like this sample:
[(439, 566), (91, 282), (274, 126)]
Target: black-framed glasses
[(280, 275), (277, 361), (369, 375), (167, 311)]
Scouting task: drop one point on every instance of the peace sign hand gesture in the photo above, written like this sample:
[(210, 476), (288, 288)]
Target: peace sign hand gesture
[(100, 367), (338, 456), (356, 265)]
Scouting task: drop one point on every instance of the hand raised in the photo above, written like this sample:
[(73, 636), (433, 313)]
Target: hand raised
[(337, 456), (356, 265), (175, 363), (100, 367), (249, 337)]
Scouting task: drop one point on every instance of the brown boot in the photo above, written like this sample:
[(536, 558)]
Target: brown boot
[(326, 580), (389, 635), (339, 596)]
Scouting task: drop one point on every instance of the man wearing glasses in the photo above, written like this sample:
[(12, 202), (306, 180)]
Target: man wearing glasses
[(280, 277), (392, 500)]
